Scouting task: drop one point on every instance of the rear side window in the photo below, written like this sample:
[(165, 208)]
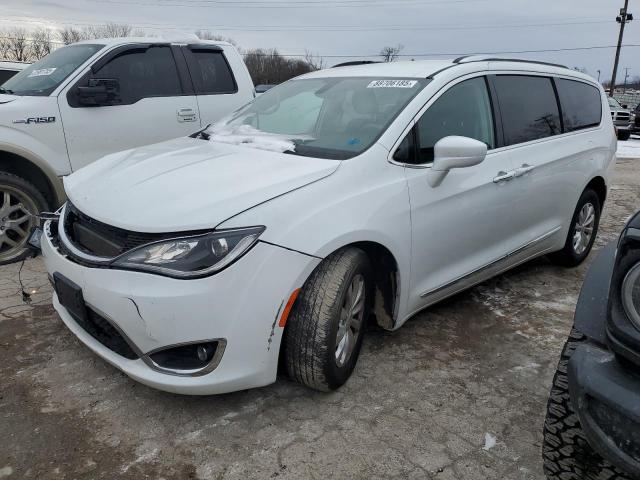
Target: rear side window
[(529, 108), (581, 104), (211, 73)]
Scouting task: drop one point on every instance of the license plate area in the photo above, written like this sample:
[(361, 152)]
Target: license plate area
[(70, 296)]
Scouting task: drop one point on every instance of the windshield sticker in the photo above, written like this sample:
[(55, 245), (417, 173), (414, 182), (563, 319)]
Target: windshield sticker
[(392, 84), (43, 72)]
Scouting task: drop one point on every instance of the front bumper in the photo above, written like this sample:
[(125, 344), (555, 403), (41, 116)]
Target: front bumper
[(240, 305), (604, 393)]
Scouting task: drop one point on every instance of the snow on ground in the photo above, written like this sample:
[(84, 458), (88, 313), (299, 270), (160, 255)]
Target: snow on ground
[(629, 148)]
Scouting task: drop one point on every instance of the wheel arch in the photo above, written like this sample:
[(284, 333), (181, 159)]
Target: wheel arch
[(598, 185), (34, 171)]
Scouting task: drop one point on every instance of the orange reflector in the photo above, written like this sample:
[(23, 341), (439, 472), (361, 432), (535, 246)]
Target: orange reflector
[(288, 307)]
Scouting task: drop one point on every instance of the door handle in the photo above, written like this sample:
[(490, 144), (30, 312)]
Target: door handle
[(186, 115), (523, 170), (504, 176)]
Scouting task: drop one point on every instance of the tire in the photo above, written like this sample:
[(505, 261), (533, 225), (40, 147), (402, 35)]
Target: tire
[(18, 199), (311, 344), (624, 135), (571, 255), (566, 453)]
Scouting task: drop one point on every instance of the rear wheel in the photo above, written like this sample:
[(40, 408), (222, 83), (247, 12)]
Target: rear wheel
[(324, 332), (582, 233), (19, 202), (565, 451)]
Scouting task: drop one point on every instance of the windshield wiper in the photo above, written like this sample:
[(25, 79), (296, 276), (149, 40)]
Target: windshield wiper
[(5, 90), (201, 133)]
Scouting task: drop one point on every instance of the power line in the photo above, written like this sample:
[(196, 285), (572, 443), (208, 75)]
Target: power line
[(284, 4)]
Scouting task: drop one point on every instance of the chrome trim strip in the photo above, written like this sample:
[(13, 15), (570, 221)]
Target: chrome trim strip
[(479, 270), (211, 366)]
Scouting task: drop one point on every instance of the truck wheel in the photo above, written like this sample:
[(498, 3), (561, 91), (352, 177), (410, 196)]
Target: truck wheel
[(565, 451), (19, 200), (624, 135), (324, 332), (582, 233)]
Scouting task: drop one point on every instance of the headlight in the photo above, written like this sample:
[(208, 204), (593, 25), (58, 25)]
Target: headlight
[(631, 295), (195, 256)]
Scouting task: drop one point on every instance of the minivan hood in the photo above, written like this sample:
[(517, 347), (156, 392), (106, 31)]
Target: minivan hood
[(186, 184)]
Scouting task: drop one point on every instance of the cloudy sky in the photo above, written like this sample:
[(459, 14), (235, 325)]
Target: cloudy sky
[(339, 29)]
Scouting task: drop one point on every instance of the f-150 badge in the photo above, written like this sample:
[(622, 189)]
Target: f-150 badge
[(31, 120)]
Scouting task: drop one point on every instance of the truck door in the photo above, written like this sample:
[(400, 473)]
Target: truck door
[(133, 96)]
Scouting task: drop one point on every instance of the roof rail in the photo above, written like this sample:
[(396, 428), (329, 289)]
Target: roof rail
[(355, 62), (479, 58)]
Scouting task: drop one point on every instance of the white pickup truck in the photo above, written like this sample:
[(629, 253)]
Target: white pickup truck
[(96, 97)]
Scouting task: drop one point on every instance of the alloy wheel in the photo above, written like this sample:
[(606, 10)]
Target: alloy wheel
[(583, 229), (351, 318), (16, 221)]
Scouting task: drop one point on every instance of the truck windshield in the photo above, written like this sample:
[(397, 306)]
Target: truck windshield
[(335, 118), (614, 103), (42, 78)]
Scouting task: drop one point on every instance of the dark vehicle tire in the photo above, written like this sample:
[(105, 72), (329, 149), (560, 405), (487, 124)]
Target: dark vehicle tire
[(624, 135), (19, 199), (583, 231), (324, 332), (565, 451)]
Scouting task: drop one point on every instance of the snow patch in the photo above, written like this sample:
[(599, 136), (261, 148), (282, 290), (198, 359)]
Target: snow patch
[(248, 136), (629, 148), (489, 441)]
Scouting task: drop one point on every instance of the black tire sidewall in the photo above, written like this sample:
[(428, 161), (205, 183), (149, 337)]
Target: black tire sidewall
[(335, 375), (588, 196)]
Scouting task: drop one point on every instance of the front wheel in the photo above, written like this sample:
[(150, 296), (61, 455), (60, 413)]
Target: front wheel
[(324, 331), (582, 232), (20, 201)]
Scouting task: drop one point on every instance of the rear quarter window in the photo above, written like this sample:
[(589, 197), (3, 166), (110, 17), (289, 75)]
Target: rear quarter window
[(528, 106), (211, 72), (581, 104)]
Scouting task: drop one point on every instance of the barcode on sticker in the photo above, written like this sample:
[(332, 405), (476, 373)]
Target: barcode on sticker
[(43, 72), (392, 84)]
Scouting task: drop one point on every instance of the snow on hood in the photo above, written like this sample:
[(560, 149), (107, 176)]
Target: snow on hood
[(248, 136), (187, 184)]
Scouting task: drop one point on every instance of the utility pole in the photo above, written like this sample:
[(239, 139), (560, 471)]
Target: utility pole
[(622, 19), (598, 76)]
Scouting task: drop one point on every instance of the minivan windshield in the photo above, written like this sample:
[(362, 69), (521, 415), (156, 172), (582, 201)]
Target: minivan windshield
[(42, 78), (336, 118)]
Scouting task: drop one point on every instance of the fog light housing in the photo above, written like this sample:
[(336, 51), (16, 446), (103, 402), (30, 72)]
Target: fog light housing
[(191, 359)]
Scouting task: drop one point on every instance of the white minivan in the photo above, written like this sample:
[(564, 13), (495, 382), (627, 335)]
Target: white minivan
[(86, 100), (348, 195)]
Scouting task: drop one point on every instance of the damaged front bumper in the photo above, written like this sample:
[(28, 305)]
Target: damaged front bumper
[(234, 311)]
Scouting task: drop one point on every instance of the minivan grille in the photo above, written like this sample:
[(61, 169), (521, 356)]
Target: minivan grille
[(100, 239)]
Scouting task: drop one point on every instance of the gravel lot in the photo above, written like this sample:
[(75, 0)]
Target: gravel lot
[(420, 403)]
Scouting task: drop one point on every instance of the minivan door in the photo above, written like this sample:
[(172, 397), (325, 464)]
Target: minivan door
[(545, 163), (133, 96), (462, 227), (215, 85)]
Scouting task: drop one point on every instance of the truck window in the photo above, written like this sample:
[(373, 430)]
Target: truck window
[(529, 108), (581, 104), (142, 74), (210, 72)]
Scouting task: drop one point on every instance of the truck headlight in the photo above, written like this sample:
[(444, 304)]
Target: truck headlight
[(190, 257), (631, 294)]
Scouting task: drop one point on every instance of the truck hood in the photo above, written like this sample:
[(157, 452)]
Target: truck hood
[(187, 184), (4, 98)]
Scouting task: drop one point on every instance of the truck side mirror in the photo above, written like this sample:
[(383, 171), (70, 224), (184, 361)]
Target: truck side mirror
[(99, 92)]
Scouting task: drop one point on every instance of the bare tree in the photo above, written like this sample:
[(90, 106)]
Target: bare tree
[(4, 45), (109, 30), (315, 61), (390, 54), (70, 35), (269, 67), (18, 45), (41, 43)]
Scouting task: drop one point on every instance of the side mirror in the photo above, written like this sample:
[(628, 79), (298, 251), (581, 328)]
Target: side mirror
[(625, 106), (99, 92), (455, 152)]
